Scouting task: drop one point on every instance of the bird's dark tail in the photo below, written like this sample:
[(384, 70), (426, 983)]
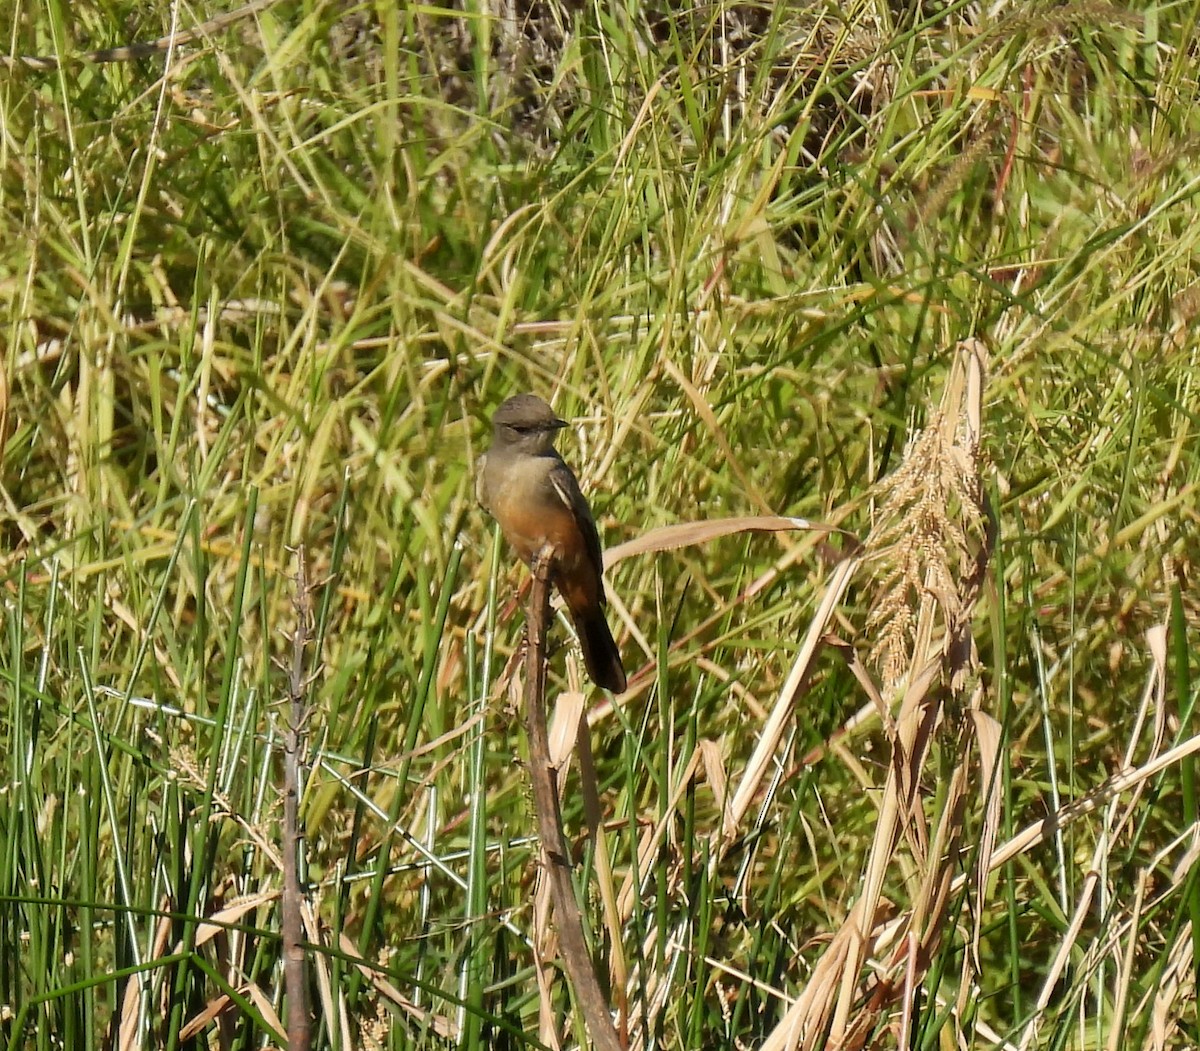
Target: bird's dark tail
[(600, 652)]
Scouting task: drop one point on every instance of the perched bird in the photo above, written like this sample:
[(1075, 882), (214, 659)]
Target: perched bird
[(525, 486)]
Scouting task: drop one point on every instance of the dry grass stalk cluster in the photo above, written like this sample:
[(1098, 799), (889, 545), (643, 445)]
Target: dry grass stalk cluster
[(935, 533)]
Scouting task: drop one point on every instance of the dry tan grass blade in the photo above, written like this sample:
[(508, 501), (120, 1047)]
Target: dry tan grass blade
[(205, 932), (685, 534), (267, 1010), (437, 1023), (1040, 831), (772, 733), (618, 966), (988, 734), (1177, 981), (127, 1033)]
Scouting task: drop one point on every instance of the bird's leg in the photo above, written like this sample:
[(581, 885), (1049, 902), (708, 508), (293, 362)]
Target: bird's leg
[(542, 561)]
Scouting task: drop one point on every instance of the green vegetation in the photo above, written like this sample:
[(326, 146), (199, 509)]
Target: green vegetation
[(262, 292)]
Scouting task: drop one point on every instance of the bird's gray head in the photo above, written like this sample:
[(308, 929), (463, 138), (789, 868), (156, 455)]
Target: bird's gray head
[(526, 423)]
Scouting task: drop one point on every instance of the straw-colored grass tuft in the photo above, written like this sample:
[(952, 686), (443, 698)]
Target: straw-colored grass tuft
[(928, 531)]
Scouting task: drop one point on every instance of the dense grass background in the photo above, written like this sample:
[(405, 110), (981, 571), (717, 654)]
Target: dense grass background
[(265, 292)]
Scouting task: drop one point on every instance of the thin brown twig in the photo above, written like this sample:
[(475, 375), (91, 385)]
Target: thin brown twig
[(299, 1023), (577, 960)]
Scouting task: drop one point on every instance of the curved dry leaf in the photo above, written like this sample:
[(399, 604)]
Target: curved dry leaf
[(989, 735), (267, 1009), (199, 1022), (127, 1031), (564, 726), (714, 772), (377, 976), (772, 732), (218, 922), (687, 534)]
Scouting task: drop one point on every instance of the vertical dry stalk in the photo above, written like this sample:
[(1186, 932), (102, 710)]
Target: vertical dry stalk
[(934, 538), (618, 965), (299, 1023), (556, 852)]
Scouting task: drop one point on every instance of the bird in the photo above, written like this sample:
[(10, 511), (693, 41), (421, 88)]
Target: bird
[(530, 491)]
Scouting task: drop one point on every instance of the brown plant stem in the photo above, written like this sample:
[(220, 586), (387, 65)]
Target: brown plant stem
[(577, 960), (299, 1024)]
